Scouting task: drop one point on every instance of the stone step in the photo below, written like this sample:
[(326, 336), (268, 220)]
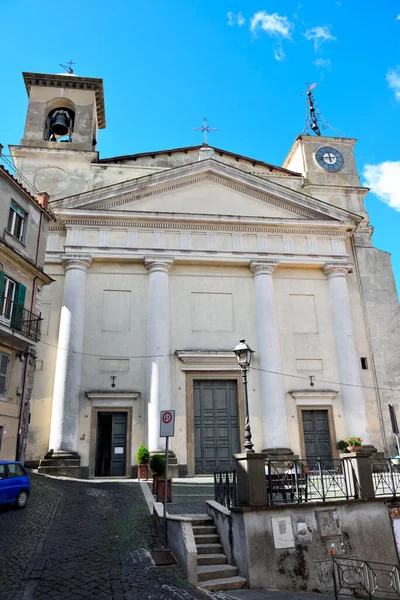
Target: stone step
[(209, 538), (207, 572), (201, 520), (226, 583), (62, 462), (211, 559), (203, 529), (209, 548), (60, 471)]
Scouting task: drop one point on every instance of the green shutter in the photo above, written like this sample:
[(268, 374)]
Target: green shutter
[(1, 284), (18, 210), (17, 313)]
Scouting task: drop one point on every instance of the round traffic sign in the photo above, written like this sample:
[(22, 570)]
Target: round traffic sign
[(167, 417)]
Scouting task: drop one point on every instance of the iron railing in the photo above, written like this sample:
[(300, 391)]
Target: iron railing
[(225, 489), (365, 579), (296, 482), (386, 476), (20, 319)]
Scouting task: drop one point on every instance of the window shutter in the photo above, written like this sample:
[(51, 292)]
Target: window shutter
[(20, 295), (4, 360), (18, 210), (1, 282), (17, 313)]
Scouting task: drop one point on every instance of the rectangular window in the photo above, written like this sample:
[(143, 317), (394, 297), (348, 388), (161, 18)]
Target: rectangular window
[(7, 297), (4, 368), (364, 363), (16, 221)]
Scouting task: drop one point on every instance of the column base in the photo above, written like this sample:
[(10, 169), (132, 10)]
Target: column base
[(60, 463)]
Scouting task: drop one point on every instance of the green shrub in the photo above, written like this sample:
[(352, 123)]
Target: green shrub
[(354, 441), (142, 455), (342, 446), (157, 464)]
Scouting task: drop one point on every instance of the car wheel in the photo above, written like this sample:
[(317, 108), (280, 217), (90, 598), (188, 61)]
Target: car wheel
[(22, 499)]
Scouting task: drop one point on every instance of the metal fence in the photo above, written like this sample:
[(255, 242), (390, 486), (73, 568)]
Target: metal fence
[(20, 319), (365, 579), (386, 476), (296, 482), (225, 489)]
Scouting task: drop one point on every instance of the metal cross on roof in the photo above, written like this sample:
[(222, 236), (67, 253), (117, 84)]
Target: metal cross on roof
[(68, 68), (205, 129)]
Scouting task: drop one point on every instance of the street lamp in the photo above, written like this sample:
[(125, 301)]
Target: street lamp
[(243, 354)]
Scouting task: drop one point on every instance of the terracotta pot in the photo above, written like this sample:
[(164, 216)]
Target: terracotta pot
[(160, 490), (155, 478), (143, 472), (354, 448)]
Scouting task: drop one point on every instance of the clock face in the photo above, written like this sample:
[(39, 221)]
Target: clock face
[(329, 158)]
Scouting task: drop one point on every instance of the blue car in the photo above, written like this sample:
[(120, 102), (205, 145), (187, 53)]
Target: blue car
[(15, 485)]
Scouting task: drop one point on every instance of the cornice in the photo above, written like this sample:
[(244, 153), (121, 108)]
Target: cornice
[(22, 263)]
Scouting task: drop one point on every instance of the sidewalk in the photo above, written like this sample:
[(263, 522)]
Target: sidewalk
[(268, 595)]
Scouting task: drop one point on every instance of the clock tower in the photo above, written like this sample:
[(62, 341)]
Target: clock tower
[(329, 169)]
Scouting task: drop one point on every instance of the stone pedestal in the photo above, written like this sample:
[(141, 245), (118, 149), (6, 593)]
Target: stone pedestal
[(358, 469), (251, 482), (61, 464)]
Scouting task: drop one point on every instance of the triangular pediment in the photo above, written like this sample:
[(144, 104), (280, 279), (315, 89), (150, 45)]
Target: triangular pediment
[(206, 187)]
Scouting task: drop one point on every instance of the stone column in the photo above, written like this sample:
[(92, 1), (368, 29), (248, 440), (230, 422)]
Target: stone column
[(67, 380), (269, 361), (158, 347), (348, 360)]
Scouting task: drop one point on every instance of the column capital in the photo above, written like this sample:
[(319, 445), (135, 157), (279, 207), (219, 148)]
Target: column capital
[(336, 269), (80, 262), (263, 267), (153, 263)]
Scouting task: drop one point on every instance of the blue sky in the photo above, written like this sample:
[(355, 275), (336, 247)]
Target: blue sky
[(167, 64)]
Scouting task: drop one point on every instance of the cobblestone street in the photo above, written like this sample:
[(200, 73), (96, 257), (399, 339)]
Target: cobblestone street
[(78, 540)]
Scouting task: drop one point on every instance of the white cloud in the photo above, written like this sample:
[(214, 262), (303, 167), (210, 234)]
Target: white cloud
[(398, 18), (236, 19), (320, 34), (393, 79), (273, 24), (383, 179), (279, 53), (324, 63)]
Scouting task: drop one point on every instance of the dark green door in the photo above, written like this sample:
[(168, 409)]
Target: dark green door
[(118, 444), (216, 425), (317, 438)]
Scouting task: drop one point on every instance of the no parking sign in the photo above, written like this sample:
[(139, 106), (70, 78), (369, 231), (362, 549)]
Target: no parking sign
[(167, 423)]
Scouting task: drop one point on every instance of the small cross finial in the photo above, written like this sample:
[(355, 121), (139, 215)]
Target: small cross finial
[(205, 129), (68, 68)]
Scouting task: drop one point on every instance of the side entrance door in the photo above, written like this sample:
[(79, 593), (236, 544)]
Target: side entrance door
[(111, 444), (216, 424), (317, 437)]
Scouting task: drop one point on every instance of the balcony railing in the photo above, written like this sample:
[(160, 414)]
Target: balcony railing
[(20, 319)]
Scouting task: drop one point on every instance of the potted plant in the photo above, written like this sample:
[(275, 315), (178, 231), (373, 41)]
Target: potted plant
[(157, 467), (142, 457), (342, 446), (354, 444)]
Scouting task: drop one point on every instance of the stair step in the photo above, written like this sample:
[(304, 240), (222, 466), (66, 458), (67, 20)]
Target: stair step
[(207, 572), (200, 520), (204, 529), (209, 538), (209, 548), (228, 583), (211, 559)]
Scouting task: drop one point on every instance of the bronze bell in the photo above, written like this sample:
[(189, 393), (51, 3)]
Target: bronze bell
[(60, 125)]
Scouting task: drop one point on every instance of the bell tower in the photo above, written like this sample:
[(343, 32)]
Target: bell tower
[(64, 115)]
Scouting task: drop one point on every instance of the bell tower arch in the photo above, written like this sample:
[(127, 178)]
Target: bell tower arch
[(59, 142)]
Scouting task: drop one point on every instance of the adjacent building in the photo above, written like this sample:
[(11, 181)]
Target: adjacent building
[(162, 261), (24, 220)]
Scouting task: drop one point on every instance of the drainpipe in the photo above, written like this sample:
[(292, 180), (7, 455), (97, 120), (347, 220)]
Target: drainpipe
[(43, 200)]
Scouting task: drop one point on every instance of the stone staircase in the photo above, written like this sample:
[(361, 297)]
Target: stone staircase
[(60, 464), (213, 572)]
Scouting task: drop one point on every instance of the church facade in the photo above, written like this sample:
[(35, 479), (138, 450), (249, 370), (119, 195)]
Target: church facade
[(162, 261)]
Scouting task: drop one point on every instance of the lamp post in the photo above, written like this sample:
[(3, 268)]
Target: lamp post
[(243, 354)]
